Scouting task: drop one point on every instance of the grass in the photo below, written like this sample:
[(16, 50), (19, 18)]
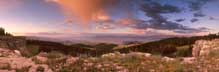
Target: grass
[(119, 62), (54, 54)]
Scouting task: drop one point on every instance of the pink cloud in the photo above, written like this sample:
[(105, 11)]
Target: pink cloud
[(7, 5)]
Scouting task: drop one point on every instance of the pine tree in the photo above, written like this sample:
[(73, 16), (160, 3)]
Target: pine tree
[(2, 31)]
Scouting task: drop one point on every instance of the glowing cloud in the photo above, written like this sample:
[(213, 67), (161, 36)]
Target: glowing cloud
[(104, 11), (94, 10), (85, 10)]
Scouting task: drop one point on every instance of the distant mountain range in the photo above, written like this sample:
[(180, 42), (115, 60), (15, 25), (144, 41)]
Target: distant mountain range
[(118, 39)]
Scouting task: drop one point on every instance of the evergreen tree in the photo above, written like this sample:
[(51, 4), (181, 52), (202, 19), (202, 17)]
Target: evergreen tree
[(2, 31)]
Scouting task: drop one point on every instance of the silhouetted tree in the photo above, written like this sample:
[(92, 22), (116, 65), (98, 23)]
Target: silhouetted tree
[(8, 34), (2, 31)]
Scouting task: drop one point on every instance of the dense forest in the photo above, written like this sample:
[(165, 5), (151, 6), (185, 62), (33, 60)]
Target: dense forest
[(169, 46)]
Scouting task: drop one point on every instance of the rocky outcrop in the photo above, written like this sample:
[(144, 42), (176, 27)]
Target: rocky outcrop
[(205, 47), (11, 60), (12, 42)]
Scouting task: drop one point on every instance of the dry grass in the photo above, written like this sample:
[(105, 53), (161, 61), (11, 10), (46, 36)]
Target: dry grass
[(116, 62)]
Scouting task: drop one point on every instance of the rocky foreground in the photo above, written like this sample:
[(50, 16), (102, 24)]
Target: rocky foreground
[(12, 61), (206, 59)]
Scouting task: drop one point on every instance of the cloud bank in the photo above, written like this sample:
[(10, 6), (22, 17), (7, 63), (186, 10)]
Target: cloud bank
[(105, 11), (6, 5)]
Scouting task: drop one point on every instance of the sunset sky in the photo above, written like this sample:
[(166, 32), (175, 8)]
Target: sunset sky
[(113, 17)]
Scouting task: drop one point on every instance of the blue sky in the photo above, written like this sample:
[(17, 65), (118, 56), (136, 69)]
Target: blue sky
[(49, 16)]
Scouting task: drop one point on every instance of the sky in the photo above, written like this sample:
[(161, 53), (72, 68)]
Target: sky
[(107, 18)]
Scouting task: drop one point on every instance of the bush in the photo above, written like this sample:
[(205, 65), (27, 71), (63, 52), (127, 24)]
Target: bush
[(34, 50), (184, 51), (54, 54), (30, 51)]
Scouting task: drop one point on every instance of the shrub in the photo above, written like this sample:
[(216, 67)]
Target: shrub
[(184, 51), (31, 50), (54, 54)]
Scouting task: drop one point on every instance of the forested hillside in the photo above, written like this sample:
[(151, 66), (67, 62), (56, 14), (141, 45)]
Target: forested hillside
[(169, 46)]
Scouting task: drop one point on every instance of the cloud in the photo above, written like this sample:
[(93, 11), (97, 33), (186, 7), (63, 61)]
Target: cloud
[(196, 5), (6, 5), (154, 11), (194, 20), (87, 10), (103, 11), (167, 25), (199, 14), (141, 26), (192, 30), (180, 20), (53, 34)]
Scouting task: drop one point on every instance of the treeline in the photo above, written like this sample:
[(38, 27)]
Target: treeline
[(36, 46), (167, 47), (3, 33), (74, 49), (46, 46)]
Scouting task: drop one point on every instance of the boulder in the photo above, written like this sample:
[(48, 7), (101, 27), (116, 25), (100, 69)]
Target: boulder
[(168, 59), (17, 52), (188, 60)]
